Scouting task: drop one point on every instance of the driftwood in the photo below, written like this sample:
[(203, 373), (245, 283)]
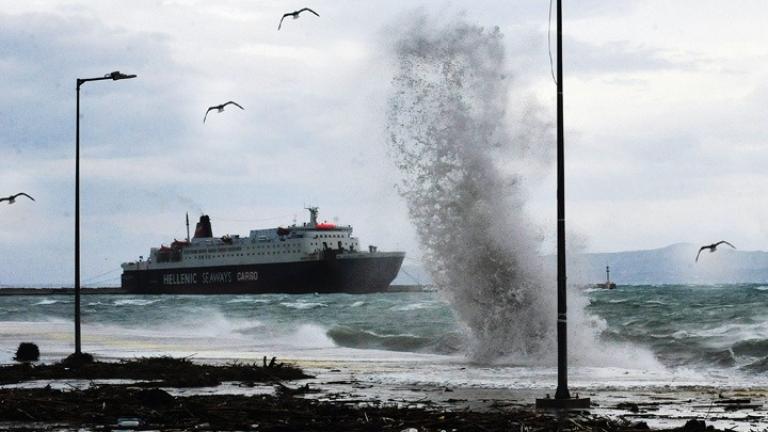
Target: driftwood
[(165, 371), (156, 409)]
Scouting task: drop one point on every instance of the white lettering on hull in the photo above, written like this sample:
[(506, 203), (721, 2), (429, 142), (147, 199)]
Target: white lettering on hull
[(209, 278), (247, 276), (179, 278)]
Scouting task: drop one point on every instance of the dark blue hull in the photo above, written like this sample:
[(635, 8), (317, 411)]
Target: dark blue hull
[(360, 274)]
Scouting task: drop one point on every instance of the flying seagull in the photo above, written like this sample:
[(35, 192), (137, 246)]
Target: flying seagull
[(12, 199), (295, 15), (713, 247), (220, 108)]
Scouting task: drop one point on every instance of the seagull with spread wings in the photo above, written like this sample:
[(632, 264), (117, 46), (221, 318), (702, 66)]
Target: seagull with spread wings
[(295, 15), (712, 248), (12, 199), (220, 108)]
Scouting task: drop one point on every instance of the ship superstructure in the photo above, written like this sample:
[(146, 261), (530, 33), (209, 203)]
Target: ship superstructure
[(312, 257)]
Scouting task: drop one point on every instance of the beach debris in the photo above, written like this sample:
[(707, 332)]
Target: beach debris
[(282, 390), (694, 425), (156, 371), (712, 248), (103, 404), (272, 363), (12, 198), (155, 398), (734, 401), (77, 360), (27, 352), (220, 108), (295, 15), (629, 406)]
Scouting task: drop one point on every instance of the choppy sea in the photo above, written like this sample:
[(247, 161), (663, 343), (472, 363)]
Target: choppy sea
[(696, 335)]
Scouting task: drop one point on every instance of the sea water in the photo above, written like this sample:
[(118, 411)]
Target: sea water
[(696, 335)]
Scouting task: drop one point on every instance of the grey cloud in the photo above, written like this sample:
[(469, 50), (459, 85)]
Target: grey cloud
[(43, 54), (623, 57)]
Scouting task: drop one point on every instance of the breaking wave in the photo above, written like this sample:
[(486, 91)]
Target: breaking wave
[(365, 339), (468, 145), (462, 162), (45, 302)]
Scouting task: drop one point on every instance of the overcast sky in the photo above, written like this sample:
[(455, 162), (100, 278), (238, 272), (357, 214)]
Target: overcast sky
[(665, 110)]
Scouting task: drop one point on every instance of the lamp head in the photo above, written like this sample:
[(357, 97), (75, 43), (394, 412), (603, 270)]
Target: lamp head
[(117, 75)]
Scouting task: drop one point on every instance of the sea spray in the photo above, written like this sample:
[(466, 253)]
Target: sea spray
[(468, 145), (462, 178)]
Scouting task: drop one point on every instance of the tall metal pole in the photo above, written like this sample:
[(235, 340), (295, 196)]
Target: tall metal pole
[(562, 398), (562, 323), (77, 222)]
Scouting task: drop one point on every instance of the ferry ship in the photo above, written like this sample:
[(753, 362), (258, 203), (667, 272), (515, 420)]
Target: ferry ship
[(313, 257)]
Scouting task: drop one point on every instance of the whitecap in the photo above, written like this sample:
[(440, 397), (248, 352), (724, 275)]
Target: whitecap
[(415, 306), (134, 302), (45, 302), (302, 305), (357, 304), (248, 300)]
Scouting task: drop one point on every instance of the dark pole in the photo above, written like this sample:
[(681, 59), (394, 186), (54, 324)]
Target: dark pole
[(562, 326), (116, 75), (77, 222), (562, 398)]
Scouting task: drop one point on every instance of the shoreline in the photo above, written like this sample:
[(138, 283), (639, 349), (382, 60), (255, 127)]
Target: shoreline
[(144, 397), (336, 388)]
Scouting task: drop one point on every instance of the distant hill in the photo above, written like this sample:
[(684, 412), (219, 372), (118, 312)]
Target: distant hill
[(672, 264), (675, 264)]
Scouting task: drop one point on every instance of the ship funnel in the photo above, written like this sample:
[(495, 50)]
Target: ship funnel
[(203, 229)]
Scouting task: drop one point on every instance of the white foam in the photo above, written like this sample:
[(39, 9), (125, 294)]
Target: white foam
[(416, 306), (134, 302), (47, 302), (302, 305), (248, 300)]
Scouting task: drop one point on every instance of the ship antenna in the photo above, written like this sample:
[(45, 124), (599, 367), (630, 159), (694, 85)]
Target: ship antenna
[(187, 227)]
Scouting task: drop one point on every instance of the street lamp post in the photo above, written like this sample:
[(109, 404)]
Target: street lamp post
[(563, 399), (116, 75)]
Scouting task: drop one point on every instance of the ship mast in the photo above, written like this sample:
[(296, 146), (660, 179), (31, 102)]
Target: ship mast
[(563, 399), (187, 227)]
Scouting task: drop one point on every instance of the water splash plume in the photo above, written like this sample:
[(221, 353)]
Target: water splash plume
[(463, 160)]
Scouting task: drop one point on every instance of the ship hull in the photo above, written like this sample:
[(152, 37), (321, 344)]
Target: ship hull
[(351, 274)]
